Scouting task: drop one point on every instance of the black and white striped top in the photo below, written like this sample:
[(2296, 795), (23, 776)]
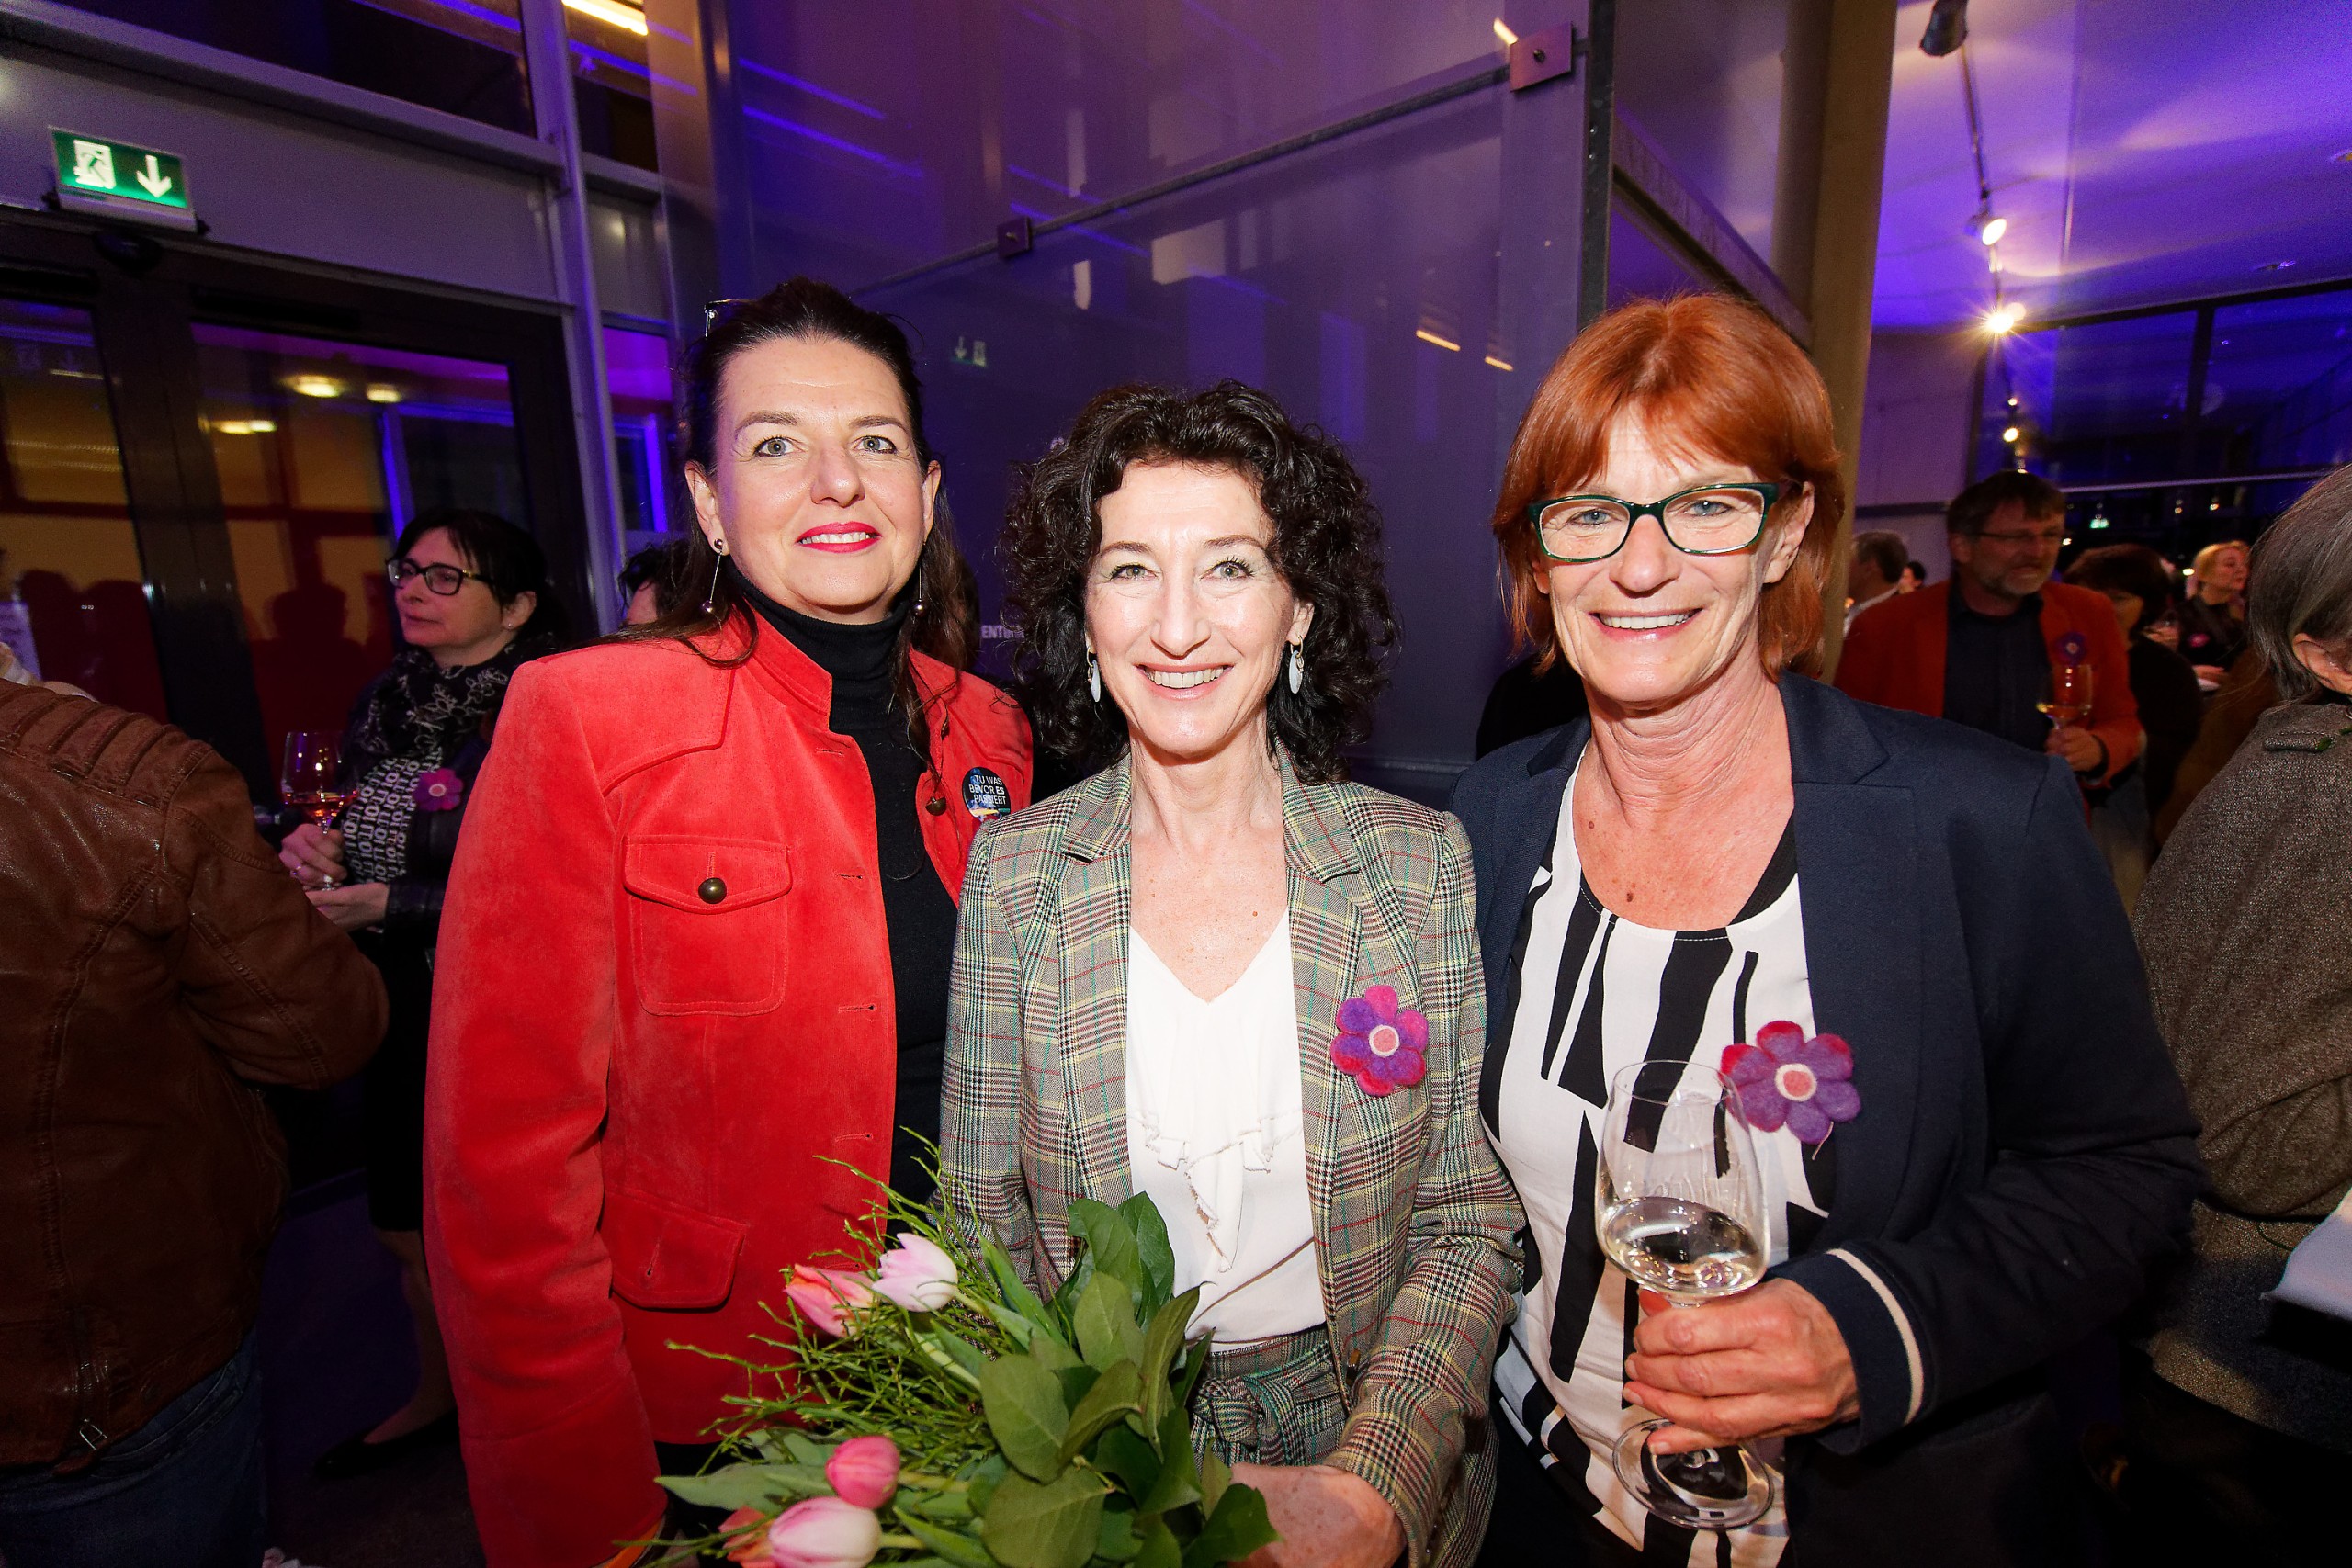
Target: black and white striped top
[(1593, 993)]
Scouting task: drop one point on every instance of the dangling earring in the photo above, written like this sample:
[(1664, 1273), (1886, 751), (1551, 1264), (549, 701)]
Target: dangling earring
[(917, 589), (1094, 677), (719, 553), (1297, 669)]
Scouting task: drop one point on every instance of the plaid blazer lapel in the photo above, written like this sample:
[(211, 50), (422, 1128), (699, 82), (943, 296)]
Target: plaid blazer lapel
[(1094, 910)]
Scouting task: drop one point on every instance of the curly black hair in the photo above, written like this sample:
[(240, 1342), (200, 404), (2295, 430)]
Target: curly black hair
[(1326, 545)]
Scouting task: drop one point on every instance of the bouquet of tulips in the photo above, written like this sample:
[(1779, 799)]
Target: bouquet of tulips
[(939, 1414)]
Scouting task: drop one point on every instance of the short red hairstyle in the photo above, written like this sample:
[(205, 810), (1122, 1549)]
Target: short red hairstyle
[(1712, 377)]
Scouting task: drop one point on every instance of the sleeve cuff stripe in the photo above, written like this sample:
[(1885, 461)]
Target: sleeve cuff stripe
[(1902, 1326)]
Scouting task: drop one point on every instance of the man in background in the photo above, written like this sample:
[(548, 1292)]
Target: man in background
[(1978, 646), (156, 963), (1876, 573)]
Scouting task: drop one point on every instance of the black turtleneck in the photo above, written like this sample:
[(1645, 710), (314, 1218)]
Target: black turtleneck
[(916, 907)]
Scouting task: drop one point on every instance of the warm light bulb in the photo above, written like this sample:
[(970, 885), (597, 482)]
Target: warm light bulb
[(2011, 434), (630, 19), (317, 386), (2004, 318), (1508, 37), (1993, 231), (383, 392)]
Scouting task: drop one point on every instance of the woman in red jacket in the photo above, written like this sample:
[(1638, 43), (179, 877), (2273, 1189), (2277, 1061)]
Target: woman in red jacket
[(697, 936)]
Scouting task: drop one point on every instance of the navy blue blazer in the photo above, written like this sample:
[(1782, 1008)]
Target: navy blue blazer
[(2024, 1153)]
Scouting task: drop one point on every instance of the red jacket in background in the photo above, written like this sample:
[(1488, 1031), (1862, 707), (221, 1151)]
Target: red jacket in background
[(1894, 656), (662, 1002)]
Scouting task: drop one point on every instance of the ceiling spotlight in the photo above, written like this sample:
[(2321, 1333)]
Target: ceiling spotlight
[(1990, 230), (1947, 28), (316, 386), (2004, 318), (2011, 434), (1507, 37), (383, 392)]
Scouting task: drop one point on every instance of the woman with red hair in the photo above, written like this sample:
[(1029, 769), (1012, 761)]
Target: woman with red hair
[(1972, 1146)]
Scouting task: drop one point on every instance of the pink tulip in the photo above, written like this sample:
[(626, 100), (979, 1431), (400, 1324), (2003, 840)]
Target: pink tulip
[(917, 1275), (828, 1297), (865, 1470), (751, 1548), (825, 1533)]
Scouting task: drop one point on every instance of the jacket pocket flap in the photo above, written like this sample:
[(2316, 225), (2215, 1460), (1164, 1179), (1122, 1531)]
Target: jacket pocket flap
[(669, 1257), (704, 876)]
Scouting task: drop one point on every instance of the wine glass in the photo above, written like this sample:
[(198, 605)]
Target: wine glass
[(2067, 693), (313, 777), (1679, 1205)]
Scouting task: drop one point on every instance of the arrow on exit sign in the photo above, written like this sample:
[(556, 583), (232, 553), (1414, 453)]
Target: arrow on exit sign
[(96, 174)]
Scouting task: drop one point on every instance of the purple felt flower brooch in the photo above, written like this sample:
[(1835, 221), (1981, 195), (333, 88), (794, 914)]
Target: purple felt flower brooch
[(439, 789), (1380, 1044), (1785, 1079)]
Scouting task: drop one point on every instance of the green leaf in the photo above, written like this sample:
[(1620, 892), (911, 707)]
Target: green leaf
[(1152, 1249), (1077, 1381), (1217, 1478), (749, 1485), (1017, 1294), (1236, 1527), (1179, 1481), (983, 1482), (967, 1354), (1117, 1541), (1115, 1394), (1053, 1526), (949, 1506), (1111, 1243), (1196, 1361), (1128, 1460), (956, 1548), (806, 1450), (1024, 1402), (1052, 1353), (1106, 1322), (1161, 1343), (1159, 1548)]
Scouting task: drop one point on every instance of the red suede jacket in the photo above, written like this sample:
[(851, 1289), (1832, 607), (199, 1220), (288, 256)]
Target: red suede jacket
[(663, 1001), (1894, 656)]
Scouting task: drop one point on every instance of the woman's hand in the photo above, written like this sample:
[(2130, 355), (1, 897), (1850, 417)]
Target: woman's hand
[(314, 854), (2083, 751), (1328, 1519), (354, 906), (1766, 1363)]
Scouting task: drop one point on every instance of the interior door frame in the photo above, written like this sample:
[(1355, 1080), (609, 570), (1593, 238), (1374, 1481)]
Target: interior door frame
[(146, 291)]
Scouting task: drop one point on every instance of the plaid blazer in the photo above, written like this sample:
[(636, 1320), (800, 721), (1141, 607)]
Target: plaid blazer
[(1413, 1221)]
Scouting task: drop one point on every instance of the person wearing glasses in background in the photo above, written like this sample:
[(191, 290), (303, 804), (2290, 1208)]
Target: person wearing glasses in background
[(1972, 1142), (1977, 647), (472, 593)]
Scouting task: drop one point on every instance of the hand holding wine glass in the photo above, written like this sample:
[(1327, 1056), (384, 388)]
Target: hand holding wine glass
[(2066, 699), (312, 784), (1680, 1204)]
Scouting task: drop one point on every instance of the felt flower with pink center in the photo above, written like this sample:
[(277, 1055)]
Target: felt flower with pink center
[(1785, 1079), (439, 789), (1380, 1044)]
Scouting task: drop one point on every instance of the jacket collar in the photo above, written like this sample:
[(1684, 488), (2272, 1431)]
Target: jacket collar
[(1317, 841), (778, 663)]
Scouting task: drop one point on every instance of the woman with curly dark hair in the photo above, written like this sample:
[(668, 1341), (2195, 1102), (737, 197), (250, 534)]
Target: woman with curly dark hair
[(1217, 975)]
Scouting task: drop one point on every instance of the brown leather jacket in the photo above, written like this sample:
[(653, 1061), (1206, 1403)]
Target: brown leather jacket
[(155, 961)]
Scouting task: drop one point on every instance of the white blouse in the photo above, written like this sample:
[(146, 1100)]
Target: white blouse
[(1217, 1137)]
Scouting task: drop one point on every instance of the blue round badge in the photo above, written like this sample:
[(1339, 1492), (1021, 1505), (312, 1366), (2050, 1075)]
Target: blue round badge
[(985, 794)]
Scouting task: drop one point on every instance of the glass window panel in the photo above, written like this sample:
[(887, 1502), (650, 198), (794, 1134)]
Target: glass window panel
[(325, 450), (2278, 388), (1643, 266), (72, 596), (1702, 80), (461, 56), (864, 159), (1266, 276), (636, 382), (2096, 403)]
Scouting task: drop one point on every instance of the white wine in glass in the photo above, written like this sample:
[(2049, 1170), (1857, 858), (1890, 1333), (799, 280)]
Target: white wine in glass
[(1679, 1205), (2066, 696)]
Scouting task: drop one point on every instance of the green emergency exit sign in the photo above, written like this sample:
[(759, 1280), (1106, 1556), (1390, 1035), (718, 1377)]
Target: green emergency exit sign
[(95, 173)]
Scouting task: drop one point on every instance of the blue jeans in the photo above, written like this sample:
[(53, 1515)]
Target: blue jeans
[(185, 1489)]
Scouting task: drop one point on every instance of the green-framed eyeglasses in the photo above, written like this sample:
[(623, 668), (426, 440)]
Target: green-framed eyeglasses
[(1706, 520)]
